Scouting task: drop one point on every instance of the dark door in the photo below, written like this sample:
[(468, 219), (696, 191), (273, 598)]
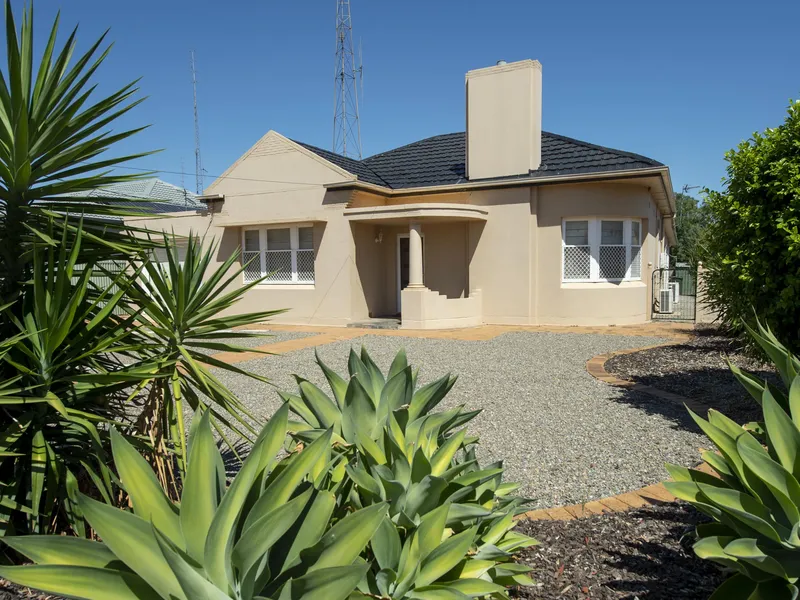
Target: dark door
[(403, 263)]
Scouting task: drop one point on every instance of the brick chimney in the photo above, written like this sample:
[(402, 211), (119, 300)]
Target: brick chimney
[(504, 119)]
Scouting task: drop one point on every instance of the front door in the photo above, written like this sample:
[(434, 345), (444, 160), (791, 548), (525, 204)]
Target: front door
[(402, 265)]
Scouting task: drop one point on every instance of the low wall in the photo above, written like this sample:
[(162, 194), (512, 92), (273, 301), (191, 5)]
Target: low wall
[(425, 309)]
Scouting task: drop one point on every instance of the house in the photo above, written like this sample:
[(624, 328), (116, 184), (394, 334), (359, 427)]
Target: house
[(504, 223), (162, 197)]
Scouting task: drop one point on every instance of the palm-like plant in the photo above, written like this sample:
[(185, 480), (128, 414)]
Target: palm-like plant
[(267, 535), (180, 306), (58, 385), (54, 137)]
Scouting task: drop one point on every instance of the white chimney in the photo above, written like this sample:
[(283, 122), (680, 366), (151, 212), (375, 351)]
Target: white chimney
[(504, 119)]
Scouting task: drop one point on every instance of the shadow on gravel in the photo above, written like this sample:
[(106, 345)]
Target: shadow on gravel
[(696, 369), (673, 412)]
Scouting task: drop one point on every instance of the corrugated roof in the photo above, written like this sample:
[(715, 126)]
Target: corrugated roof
[(167, 197), (440, 160)]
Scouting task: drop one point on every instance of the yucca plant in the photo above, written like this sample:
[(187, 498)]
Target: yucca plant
[(448, 518), (183, 310), (755, 501), (58, 390), (268, 535), (55, 137)]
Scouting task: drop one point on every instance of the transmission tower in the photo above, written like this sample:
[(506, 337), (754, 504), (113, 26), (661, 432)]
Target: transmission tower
[(346, 125), (198, 164)]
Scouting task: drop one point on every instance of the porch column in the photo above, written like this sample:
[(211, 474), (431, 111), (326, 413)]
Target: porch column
[(415, 255)]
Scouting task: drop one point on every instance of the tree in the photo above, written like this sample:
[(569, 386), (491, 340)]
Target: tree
[(752, 245), (690, 222)]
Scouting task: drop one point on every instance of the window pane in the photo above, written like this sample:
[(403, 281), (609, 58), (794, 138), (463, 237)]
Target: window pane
[(612, 262), (636, 262), (305, 266), (611, 232), (251, 240), (279, 266), (306, 235), (636, 229), (576, 233), (576, 262), (252, 266), (278, 239)]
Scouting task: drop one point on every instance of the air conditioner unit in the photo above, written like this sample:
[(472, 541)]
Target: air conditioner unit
[(676, 291), (665, 302)]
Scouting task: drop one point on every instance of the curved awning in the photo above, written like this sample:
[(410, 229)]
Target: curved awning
[(428, 211)]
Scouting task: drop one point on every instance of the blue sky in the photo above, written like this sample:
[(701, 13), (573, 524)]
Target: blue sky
[(681, 82)]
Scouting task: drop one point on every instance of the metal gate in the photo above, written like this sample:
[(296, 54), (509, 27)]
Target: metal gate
[(675, 293)]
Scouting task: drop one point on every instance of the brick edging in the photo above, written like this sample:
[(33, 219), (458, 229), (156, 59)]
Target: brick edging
[(596, 367), (651, 494)]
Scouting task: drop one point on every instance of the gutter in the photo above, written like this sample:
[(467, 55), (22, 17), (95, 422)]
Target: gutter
[(661, 172), (499, 183)]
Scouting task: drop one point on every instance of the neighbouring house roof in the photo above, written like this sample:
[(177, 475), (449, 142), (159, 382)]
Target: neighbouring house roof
[(165, 196), (440, 160)]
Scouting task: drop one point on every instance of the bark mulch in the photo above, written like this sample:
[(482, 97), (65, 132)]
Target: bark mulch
[(10, 591), (639, 554), (697, 369)]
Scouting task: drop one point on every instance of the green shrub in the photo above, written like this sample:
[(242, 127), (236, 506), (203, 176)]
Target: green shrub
[(751, 248), (755, 501), (450, 521), (55, 397), (266, 536)]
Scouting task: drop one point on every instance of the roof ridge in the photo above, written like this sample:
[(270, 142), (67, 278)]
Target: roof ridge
[(604, 148), (317, 150)]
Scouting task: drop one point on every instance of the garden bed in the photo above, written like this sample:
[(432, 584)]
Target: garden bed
[(643, 553), (698, 369)]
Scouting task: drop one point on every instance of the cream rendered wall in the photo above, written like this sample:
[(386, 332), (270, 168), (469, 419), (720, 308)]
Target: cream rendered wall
[(501, 255), (589, 303), (279, 179)]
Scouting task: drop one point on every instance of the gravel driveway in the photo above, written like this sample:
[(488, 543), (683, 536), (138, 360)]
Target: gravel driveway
[(565, 436)]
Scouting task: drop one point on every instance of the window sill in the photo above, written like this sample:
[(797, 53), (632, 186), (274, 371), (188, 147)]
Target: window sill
[(285, 286), (593, 285)]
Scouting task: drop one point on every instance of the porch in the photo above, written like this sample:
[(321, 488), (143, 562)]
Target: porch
[(413, 262)]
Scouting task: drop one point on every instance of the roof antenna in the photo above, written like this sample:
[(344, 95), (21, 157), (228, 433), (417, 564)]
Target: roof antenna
[(346, 123), (198, 165)]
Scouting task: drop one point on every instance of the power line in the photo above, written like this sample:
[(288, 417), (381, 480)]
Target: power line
[(218, 176)]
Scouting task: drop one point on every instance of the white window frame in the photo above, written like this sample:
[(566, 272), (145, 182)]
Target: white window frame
[(294, 248), (594, 229)]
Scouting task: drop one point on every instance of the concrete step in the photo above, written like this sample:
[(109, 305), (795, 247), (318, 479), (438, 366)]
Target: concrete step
[(382, 323)]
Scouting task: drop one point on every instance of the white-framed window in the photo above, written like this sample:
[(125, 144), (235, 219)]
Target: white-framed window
[(601, 249), (282, 254)]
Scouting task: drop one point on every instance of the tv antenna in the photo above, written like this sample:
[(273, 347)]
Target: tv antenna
[(346, 122)]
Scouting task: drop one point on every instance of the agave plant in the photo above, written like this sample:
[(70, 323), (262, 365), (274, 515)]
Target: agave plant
[(755, 501), (57, 390), (179, 305), (267, 535), (55, 135), (448, 518)]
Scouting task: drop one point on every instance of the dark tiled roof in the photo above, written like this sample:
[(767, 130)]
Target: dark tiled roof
[(358, 168), (439, 160)]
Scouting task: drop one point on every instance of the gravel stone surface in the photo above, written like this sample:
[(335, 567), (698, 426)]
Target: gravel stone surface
[(698, 369), (565, 436), (643, 553), (267, 337)]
